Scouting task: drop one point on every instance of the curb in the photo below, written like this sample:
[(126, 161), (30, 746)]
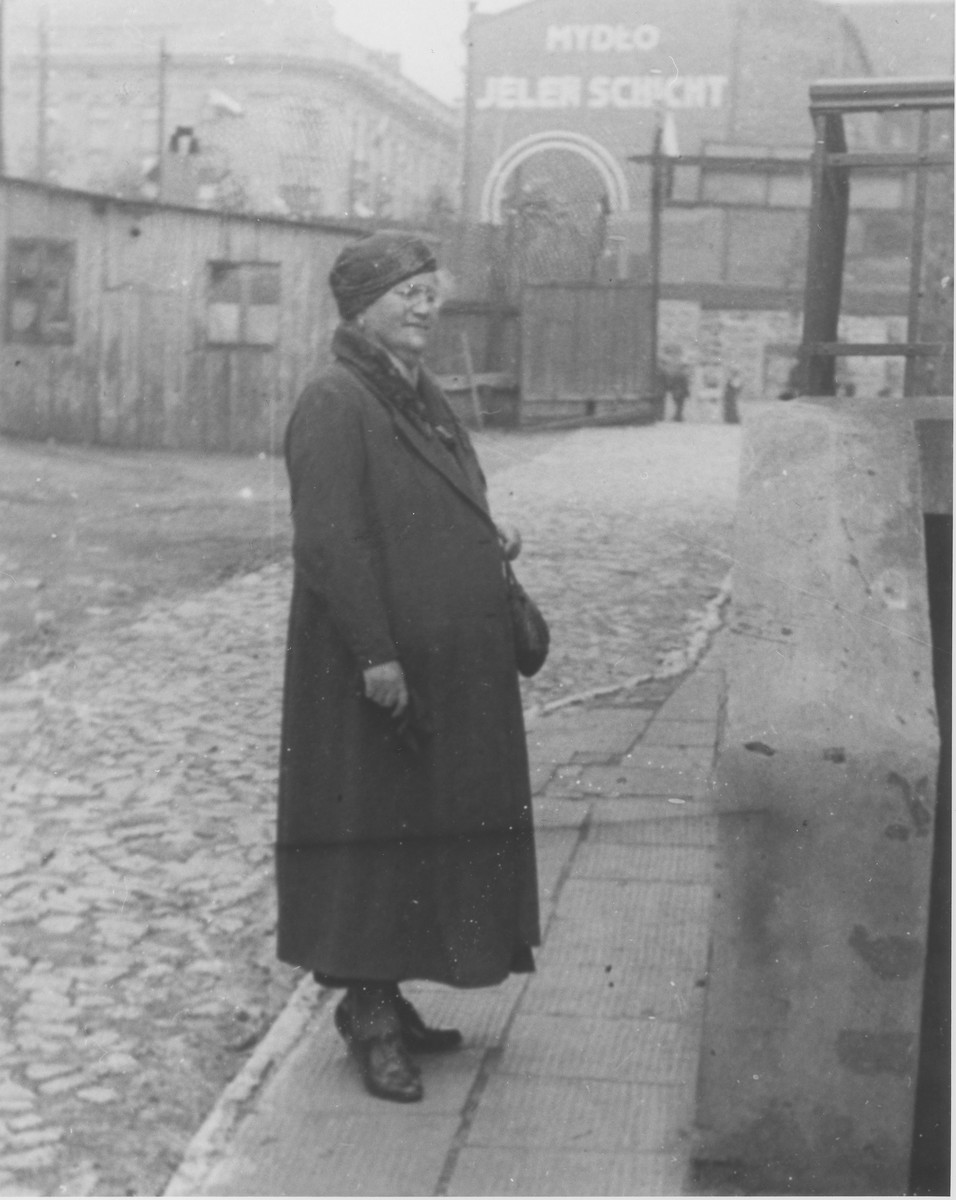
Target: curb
[(215, 1134), (678, 662)]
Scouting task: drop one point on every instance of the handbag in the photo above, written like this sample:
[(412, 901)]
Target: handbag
[(531, 634)]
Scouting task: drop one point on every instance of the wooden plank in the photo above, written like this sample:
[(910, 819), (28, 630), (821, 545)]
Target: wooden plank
[(214, 417), (564, 361), (119, 397), (825, 255), (916, 257), (108, 394), (584, 344), (579, 346), (868, 95), (875, 349), (890, 161)]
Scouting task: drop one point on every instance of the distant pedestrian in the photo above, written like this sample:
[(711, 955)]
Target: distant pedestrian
[(732, 389), (405, 842), (679, 386), (673, 380), (792, 389)]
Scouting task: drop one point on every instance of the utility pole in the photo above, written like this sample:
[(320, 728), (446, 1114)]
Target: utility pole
[(468, 131), (43, 85), (161, 119), (464, 195), (600, 247), (353, 150), (657, 202), (2, 83)]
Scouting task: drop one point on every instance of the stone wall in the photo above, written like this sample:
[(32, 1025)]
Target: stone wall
[(714, 340), (826, 784)]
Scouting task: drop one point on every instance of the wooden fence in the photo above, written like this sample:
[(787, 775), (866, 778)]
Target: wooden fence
[(477, 353)]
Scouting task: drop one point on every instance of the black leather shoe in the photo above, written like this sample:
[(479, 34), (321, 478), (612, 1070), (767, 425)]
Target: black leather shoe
[(343, 1023), (420, 1038), (387, 1071)]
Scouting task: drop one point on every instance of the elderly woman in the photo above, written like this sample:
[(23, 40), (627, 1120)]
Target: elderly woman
[(405, 842)]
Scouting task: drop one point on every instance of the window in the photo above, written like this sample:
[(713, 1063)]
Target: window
[(243, 304), (40, 290)]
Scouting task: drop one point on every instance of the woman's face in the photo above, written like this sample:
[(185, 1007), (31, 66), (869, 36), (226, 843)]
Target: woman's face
[(402, 320)]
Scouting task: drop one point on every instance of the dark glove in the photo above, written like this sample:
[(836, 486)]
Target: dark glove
[(413, 725)]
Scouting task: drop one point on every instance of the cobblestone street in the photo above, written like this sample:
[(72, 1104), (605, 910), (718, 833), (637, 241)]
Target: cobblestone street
[(138, 781), (627, 535)]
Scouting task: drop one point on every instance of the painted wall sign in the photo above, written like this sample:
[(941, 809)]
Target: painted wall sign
[(600, 39), (601, 91), (585, 79)]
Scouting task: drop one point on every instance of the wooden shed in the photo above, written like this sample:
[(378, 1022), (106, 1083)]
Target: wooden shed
[(135, 324)]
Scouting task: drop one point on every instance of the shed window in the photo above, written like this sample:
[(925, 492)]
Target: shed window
[(40, 290), (243, 304)]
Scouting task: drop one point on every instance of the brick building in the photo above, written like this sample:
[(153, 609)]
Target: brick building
[(276, 111)]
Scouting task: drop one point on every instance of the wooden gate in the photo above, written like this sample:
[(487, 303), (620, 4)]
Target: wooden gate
[(585, 353)]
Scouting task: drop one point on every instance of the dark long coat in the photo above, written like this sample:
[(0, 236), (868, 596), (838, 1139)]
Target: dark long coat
[(398, 857)]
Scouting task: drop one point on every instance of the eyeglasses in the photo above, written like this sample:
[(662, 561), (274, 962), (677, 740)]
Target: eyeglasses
[(416, 293)]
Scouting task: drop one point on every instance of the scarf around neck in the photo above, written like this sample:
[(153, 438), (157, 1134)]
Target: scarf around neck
[(351, 346)]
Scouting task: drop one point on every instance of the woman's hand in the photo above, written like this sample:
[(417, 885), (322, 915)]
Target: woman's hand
[(385, 685), (510, 539)]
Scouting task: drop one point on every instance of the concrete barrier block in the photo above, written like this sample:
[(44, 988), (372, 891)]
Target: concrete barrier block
[(825, 789)]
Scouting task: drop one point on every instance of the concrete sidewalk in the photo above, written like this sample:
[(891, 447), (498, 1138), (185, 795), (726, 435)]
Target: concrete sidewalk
[(577, 1080)]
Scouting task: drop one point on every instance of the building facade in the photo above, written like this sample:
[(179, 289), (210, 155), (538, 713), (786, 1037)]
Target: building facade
[(253, 105), (567, 100), (575, 88)]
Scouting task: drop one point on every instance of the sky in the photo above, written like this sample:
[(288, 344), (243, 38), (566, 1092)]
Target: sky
[(428, 35)]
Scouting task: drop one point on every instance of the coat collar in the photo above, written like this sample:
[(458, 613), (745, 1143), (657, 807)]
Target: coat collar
[(409, 410)]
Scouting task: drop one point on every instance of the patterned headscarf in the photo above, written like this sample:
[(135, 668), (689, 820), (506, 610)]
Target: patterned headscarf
[(367, 269)]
